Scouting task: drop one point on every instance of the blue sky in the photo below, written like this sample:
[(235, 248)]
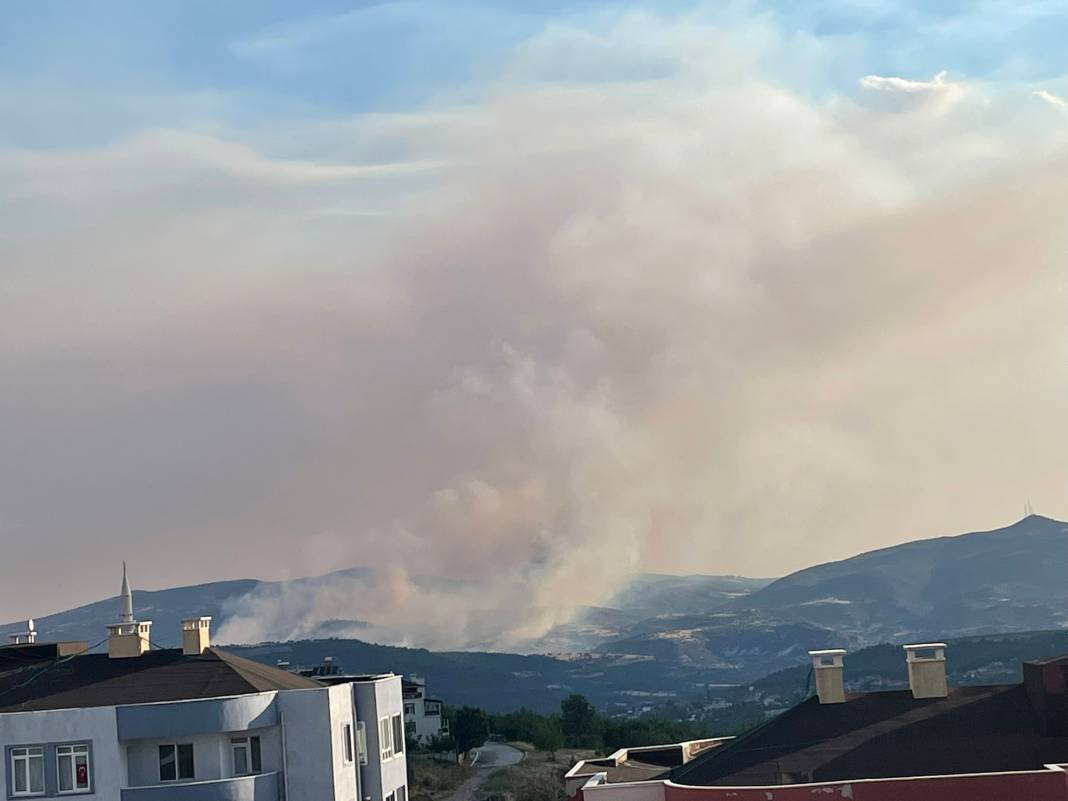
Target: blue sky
[(78, 73)]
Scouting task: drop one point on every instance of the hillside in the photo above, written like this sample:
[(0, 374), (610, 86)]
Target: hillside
[(645, 595), (497, 682), (503, 682), (1009, 579), (672, 638), (652, 594), (166, 609)]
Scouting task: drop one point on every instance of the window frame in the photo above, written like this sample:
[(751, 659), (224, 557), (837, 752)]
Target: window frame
[(253, 754), (361, 742), (26, 756), (385, 739), (73, 751), (397, 724), (348, 746), (178, 777)]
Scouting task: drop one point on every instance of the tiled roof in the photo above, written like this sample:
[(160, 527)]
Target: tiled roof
[(885, 734), (164, 675)]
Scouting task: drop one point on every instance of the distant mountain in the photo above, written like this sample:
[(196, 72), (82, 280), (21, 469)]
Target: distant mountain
[(646, 594), (647, 602), (665, 637), (167, 608), (652, 594), (632, 684), (1009, 579), (622, 683)]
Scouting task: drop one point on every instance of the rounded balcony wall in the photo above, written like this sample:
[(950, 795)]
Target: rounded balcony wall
[(184, 718)]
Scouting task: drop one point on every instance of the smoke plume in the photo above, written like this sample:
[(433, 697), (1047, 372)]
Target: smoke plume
[(560, 333)]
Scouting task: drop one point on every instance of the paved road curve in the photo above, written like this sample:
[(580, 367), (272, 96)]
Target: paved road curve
[(497, 755), (490, 757)]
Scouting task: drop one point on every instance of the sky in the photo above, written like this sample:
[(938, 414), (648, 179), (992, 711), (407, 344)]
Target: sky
[(523, 296)]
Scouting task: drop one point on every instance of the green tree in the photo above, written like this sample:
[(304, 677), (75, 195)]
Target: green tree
[(578, 722), (546, 735), (469, 728)]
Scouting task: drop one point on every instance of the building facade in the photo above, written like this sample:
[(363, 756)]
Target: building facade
[(424, 717), (196, 724)]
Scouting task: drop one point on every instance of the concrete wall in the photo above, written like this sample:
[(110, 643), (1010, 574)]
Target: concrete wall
[(342, 712), (263, 787), (374, 700), (309, 747), (94, 726), (212, 755), (182, 718)]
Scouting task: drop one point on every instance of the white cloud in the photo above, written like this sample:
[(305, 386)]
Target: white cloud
[(937, 87), (1056, 101)]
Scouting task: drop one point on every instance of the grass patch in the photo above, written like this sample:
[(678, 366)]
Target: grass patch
[(430, 780), (539, 777)]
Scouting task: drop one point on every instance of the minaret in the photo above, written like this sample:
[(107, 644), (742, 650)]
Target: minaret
[(128, 637), (125, 599)]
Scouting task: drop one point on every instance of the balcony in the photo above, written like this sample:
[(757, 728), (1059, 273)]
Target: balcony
[(186, 718), (261, 787)]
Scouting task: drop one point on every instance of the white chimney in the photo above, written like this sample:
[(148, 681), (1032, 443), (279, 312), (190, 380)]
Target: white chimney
[(196, 635), (128, 637), (927, 669), (28, 637), (828, 666)]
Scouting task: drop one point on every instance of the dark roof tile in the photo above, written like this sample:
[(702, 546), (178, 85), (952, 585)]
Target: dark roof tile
[(885, 734), (164, 675)]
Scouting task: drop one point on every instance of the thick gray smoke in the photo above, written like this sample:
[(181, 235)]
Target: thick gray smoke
[(697, 324)]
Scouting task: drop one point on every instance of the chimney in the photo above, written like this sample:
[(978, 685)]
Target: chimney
[(196, 635), (28, 637), (828, 667), (927, 669), (128, 637)]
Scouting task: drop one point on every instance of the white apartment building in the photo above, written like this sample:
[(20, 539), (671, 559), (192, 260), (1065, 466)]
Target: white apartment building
[(190, 724), (423, 717)]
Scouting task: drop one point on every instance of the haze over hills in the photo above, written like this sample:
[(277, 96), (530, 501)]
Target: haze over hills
[(660, 630)]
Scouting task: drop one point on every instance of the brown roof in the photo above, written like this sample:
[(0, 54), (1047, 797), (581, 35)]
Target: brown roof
[(164, 675), (885, 734)]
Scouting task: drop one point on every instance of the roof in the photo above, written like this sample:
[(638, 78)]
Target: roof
[(25, 653), (634, 770), (883, 735), (164, 675), (619, 770)]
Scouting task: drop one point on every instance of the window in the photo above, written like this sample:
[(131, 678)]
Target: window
[(385, 738), (402, 793), (361, 741), (247, 759), (398, 734), (391, 797), (409, 709), (346, 742), (27, 771), (176, 762), (72, 768)]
